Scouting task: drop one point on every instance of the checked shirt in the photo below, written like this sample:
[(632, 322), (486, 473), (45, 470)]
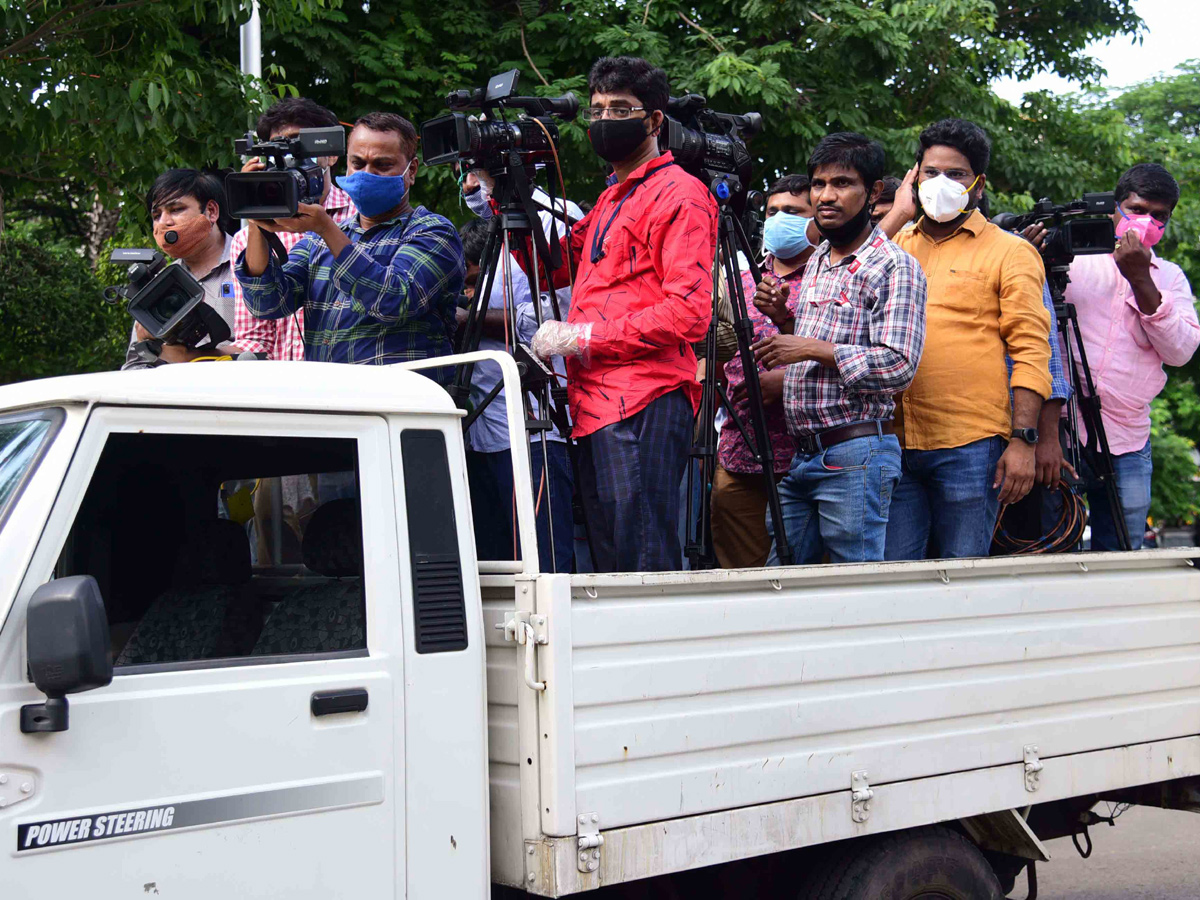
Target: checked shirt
[(279, 338), (389, 297), (872, 306)]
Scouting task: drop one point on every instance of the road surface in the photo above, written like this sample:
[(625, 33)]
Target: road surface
[(1151, 854)]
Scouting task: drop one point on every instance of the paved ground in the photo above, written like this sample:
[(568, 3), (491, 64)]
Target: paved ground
[(1151, 854)]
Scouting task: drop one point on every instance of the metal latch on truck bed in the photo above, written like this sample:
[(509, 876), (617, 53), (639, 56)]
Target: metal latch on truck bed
[(860, 796), (525, 628), (1033, 768), (590, 841)]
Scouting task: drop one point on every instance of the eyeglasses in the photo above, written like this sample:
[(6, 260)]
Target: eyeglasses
[(592, 113)]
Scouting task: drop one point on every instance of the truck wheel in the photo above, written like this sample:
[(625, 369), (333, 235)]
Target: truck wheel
[(922, 864)]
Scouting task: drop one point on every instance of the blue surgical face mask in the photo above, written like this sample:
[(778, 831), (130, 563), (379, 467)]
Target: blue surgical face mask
[(785, 235), (374, 194)]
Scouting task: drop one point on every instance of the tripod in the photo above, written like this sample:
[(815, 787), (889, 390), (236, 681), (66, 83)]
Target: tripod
[(703, 457), (1085, 403), (517, 229)]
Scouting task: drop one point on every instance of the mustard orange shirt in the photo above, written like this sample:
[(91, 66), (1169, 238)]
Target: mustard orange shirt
[(985, 298)]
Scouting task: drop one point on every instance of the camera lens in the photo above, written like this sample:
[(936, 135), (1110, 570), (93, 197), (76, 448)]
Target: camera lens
[(271, 194), (169, 304)]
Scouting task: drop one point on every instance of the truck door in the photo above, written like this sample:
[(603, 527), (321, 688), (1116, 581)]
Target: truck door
[(250, 742)]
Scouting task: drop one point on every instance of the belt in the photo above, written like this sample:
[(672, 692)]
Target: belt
[(822, 440)]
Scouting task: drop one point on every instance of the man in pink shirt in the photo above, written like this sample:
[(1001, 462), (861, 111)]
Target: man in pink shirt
[(284, 338), (1136, 312)]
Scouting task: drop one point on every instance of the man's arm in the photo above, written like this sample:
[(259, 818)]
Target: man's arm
[(682, 241), (427, 267), (1171, 323), (277, 291), (250, 333)]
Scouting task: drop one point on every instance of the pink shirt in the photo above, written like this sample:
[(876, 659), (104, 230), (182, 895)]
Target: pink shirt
[(1125, 348), (278, 338)]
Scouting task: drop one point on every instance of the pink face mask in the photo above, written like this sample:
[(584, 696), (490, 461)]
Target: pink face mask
[(1148, 229)]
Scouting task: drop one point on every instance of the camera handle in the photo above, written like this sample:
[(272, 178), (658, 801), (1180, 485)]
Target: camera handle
[(731, 238)]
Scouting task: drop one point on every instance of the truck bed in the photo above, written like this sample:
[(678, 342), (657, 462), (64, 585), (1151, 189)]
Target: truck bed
[(676, 696)]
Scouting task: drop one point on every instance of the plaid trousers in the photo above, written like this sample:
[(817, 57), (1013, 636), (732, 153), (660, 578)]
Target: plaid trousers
[(629, 476)]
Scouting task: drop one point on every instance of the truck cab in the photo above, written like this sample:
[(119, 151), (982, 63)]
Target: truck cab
[(293, 622)]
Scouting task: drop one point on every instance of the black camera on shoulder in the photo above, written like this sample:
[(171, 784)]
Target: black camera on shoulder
[(166, 301), (710, 144), (1080, 228), (293, 176), (477, 142)]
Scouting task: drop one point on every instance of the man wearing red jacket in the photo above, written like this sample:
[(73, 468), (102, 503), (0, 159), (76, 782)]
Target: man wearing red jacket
[(643, 262)]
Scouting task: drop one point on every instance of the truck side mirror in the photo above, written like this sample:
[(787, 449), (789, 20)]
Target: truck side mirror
[(67, 642)]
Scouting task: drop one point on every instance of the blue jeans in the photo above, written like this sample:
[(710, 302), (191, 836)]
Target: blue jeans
[(491, 481), (1133, 487), (945, 505), (837, 501)]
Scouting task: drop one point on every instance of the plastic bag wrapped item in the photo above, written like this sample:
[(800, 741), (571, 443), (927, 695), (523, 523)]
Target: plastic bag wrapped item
[(563, 339)]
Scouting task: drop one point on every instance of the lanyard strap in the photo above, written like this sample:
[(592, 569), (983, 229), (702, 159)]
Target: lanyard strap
[(599, 236)]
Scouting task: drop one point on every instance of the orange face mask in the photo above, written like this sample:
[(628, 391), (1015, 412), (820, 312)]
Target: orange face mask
[(183, 238)]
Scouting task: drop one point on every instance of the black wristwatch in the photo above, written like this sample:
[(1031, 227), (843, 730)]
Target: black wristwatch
[(1028, 435)]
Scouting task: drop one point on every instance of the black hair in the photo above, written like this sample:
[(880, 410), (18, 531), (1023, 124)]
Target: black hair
[(966, 137), (891, 184), (474, 237), (204, 185), (298, 111), (852, 151), (386, 121), (789, 184), (630, 75), (1148, 180)]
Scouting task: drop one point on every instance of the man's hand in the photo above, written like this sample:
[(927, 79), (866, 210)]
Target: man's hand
[(178, 353), (477, 177), (309, 217), (1132, 258), (777, 350), (771, 297), (1035, 234), (771, 384), (254, 164), (1015, 471), (1049, 460)]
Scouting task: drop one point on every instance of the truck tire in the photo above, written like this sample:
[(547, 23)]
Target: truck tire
[(933, 863)]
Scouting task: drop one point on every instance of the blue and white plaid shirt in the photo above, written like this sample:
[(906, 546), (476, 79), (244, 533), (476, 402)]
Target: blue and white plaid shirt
[(389, 297), (1060, 388)]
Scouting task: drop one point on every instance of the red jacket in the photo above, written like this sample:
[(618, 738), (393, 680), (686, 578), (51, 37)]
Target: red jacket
[(648, 294)]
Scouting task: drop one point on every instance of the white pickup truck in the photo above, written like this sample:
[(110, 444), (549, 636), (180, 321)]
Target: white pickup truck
[(355, 706)]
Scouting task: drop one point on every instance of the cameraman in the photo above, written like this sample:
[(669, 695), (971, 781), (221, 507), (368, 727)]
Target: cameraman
[(187, 207), (1136, 312), (643, 261), (284, 338), (379, 289)]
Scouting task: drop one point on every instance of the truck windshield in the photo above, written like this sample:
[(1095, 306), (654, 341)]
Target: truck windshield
[(22, 439)]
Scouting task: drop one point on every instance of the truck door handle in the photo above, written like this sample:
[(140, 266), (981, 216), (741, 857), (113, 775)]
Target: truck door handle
[(327, 703)]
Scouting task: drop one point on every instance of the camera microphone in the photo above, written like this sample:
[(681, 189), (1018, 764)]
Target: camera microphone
[(171, 237)]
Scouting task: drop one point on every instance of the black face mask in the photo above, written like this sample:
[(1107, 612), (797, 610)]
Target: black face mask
[(848, 231), (616, 139)]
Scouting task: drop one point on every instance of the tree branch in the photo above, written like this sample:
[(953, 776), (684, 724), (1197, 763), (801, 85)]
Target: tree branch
[(70, 17), (529, 58), (646, 14), (704, 31)]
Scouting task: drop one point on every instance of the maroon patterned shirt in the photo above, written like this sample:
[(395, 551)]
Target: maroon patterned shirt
[(732, 452)]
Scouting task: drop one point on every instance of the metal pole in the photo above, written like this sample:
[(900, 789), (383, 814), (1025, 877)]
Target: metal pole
[(251, 37)]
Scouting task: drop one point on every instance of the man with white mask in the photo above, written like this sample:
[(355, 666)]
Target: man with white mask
[(966, 448)]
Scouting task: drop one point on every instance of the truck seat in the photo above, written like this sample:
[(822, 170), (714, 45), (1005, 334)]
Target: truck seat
[(205, 614), (326, 616)]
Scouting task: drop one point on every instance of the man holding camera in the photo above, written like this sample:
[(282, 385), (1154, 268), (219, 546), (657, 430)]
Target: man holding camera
[(967, 447), (187, 207), (284, 338), (380, 288), (1136, 313), (643, 261)]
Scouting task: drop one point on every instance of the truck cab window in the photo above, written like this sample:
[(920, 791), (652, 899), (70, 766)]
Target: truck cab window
[(211, 547)]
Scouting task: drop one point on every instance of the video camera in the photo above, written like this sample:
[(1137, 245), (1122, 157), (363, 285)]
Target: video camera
[(166, 300), (709, 144), (483, 143), (293, 176), (1079, 228)]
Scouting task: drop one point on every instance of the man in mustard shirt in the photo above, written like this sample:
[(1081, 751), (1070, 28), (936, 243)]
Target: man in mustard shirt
[(966, 449)]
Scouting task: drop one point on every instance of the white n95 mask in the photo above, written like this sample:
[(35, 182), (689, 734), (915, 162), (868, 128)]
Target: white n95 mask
[(944, 199)]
